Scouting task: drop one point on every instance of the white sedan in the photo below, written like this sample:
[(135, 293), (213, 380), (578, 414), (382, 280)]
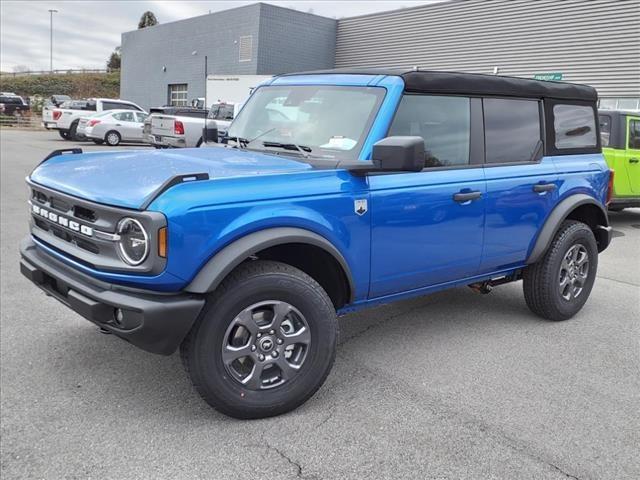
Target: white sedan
[(115, 126)]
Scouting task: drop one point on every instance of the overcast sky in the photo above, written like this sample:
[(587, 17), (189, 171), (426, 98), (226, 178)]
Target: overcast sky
[(86, 32)]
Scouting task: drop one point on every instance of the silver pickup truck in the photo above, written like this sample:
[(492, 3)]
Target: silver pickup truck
[(174, 127)]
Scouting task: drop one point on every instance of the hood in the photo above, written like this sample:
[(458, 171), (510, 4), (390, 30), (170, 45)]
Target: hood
[(128, 178)]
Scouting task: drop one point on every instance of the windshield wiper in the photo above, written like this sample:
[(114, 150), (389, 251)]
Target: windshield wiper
[(303, 149), (244, 142)]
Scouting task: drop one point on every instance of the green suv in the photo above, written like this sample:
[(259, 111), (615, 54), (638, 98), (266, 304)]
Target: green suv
[(620, 133)]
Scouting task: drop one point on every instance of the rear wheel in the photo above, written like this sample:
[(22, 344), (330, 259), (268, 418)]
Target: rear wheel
[(64, 134), (72, 132), (557, 286), (112, 138), (264, 343)]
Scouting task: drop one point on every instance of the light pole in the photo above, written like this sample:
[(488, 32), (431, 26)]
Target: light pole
[(51, 12)]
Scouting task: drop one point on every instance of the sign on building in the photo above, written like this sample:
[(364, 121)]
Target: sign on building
[(548, 76)]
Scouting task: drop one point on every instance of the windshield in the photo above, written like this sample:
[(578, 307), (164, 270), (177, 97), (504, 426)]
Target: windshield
[(319, 120), (221, 111)]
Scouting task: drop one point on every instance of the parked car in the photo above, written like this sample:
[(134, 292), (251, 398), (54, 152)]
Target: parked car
[(620, 132), (66, 118), (114, 127), (373, 186), (12, 104), (183, 129)]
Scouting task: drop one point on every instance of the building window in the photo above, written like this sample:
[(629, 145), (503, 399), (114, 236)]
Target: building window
[(443, 122), (178, 94), (628, 103), (246, 48), (512, 130), (575, 126)]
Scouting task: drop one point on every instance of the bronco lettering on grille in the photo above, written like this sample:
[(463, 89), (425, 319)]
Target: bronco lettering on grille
[(62, 221)]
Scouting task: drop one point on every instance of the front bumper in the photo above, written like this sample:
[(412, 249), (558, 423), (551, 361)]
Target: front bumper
[(151, 321)]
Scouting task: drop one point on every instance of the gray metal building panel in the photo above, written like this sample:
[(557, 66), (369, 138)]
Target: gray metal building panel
[(273, 39), (594, 42), (172, 45), (294, 41)]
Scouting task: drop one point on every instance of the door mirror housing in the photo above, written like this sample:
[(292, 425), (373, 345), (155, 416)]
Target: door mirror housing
[(210, 131), (399, 153)]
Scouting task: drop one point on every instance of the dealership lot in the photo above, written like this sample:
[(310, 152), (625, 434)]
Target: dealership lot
[(455, 385)]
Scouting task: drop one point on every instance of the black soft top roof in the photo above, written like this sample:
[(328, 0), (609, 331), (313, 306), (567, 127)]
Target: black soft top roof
[(475, 83)]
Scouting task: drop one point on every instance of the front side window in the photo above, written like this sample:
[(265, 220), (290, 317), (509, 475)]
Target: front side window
[(444, 124), (512, 130), (178, 95), (634, 134), (574, 126), (325, 121), (605, 129)]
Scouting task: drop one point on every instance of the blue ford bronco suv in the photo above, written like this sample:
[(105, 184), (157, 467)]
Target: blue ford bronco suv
[(331, 192)]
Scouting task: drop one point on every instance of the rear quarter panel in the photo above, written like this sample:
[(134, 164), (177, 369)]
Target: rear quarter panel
[(587, 173)]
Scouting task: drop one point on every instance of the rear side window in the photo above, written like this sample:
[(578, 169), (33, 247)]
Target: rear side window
[(574, 126), (512, 130), (443, 122), (605, 129), (634, 134), (124, 116)]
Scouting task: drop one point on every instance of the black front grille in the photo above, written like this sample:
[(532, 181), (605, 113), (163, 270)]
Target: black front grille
[(65, 207), (84, 213)]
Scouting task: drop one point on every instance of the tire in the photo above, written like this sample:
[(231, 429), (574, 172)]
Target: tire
[(98, 141), (199, 144), (549, 286), (64, 134), (72, 132), (112, 138), (246, 294)]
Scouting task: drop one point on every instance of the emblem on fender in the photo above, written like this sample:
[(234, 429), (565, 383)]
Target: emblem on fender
[(360, 206)]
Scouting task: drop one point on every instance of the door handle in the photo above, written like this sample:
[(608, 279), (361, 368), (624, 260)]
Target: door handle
[(463, 197), (118, 125), (544, 187), (634, 160)]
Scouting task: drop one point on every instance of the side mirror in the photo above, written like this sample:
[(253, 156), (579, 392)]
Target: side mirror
[(399, 154), (210, 131)]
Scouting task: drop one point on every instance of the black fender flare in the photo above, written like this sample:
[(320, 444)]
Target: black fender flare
[(558, 215), (223, 262)]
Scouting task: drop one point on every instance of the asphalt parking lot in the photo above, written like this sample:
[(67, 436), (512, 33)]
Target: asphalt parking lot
[(454, 385)]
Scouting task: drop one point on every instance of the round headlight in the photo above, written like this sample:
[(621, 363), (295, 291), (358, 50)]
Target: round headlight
[(134, 241)]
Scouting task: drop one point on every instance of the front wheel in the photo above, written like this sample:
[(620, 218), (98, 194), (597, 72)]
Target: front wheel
[(559, 284), (264, 343), (112, 138)]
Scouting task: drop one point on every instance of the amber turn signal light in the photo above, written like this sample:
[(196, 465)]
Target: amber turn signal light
[(162, 242)]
